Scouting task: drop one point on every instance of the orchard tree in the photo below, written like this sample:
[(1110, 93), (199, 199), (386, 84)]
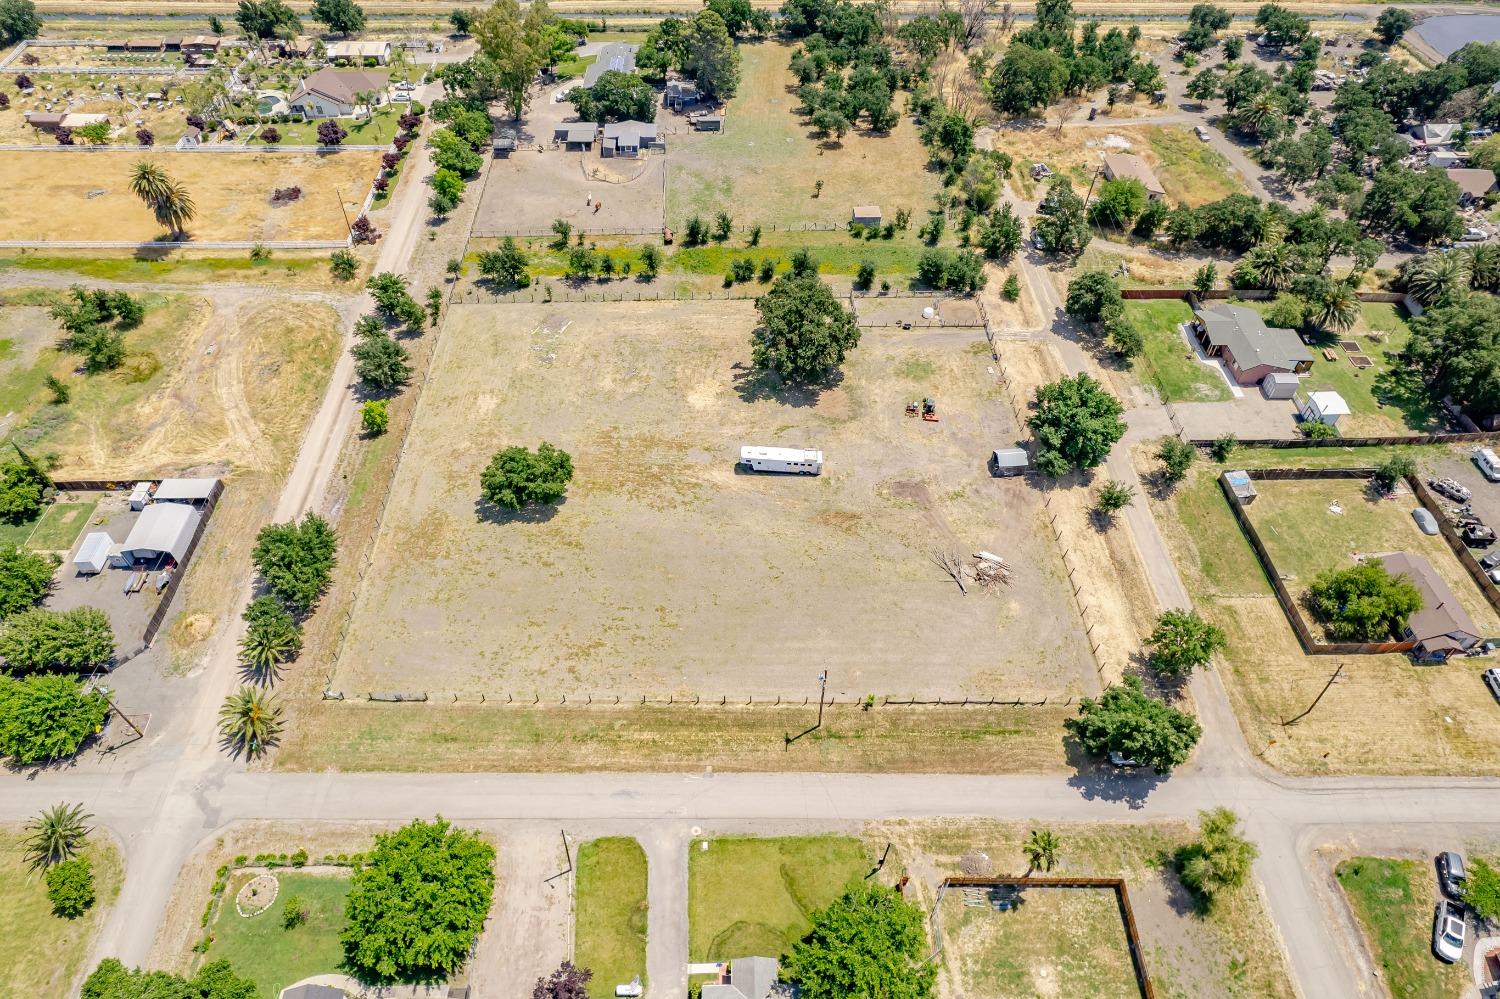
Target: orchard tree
[(296, 560), (47, 717), (78, 640), (1363, 603), (517, 478), (417, 903), (1076, 423), (1182, 641), (869, 943), (1125, 720), (25, 577), (381, 362), (18, 21), (1221, 858), (343, 16), (805, 331)]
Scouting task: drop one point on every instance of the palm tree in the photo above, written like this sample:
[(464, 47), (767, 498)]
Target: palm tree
[(176, 209), (1484, 267), (1041, 848), (149, 182), (1272, 266), (265, 647), (1337, 308), (250, 721), (168, 200), (1437, 277), (1264, 109), (56, 835)]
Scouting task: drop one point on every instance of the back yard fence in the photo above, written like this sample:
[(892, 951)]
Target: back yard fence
[(1311, 644), (496, 232), (551, 699), (1256, 295), (988, 891), (1482, 437)]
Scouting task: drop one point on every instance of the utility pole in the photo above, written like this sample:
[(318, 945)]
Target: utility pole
[(822, 687), (1331, 681), (347, 224)]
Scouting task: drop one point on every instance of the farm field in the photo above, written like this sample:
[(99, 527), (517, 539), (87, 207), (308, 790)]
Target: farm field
[(29, 928), (755, 897), (272, 956), (231, 190), (665, 568), (1393, 901), (1384, 715), (764, 165), (610, 913), (1076, 937)]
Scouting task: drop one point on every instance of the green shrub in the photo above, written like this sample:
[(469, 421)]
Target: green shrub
[(70, 887)]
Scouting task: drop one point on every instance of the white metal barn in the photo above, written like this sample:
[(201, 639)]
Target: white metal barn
[(93, 554), (162, 528), (799, 461)]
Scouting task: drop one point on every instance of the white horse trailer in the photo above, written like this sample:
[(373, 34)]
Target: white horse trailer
[(796, 460)]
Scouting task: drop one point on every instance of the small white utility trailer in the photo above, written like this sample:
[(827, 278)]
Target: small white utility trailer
[(796, 460)]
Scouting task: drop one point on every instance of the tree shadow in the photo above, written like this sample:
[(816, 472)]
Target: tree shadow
[(486, 512), (756, 385), (235, 749), (1101, 781)]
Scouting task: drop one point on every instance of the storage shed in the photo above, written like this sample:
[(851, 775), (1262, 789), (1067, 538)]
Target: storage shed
[(1279, 385), (93, 554), (1241, 485), (800, 461), (865, 215), (140, 495), (1009, 461), (1324, 407), (161, 529)]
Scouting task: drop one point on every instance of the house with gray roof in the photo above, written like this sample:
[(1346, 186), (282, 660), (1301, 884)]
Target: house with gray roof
[(616, 56), (748, 978), (576, 135), (1248, 347), (628, 138), (1442, 627), (336, 93)]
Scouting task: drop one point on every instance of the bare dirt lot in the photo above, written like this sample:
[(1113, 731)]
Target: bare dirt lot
[(231, 190), (666, 569)]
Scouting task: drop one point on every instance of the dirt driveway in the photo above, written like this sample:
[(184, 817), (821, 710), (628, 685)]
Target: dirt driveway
[(666, 568)]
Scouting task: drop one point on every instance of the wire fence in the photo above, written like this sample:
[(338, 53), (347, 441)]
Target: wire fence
[(552, 699), (167, 244), (744, 230)]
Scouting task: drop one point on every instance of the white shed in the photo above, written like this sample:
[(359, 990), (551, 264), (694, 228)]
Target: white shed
[(140, 495), (1279, 385), (1324, 407), (865, 215), (184, 490), (161, 529), (93, 554), (800, 461)]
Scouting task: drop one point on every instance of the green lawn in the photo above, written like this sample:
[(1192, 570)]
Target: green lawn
[(60, 526), (610, 913), (751, 897), (376, 131), (573, 65), (1393, 900), (177, 267), (274, 957), (40, 953), (1169, 362), (15, 535)]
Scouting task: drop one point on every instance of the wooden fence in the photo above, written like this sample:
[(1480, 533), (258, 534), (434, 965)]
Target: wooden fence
[(1115, 885), (1482, 437)]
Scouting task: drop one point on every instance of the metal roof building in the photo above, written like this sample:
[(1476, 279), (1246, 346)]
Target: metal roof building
[(184, 490), (161, 529)]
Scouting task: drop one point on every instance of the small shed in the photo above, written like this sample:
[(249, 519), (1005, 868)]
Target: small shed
[(140, 495), (1279, 385), (93, 554), (1009, 461), (504, 146), (1324, 407), (1241, 485), (865, 215), (708, 123), (576, 133)]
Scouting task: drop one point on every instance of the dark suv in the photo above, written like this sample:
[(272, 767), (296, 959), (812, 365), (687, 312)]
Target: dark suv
[(1451, 878)]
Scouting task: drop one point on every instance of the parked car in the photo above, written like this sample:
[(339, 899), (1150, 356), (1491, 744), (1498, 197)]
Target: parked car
[(1494, 575), (1450, 870), (1122, 761), (1492, 681), (404, 85), (1448, 932), (1425, 520), (1451, 488), (1201, 133), (1491, 561), (401, 97), (1488, 463)]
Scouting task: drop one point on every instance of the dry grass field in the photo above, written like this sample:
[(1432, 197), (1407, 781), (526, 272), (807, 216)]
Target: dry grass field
[(1384, 715), (666, 569), (1073, 944), (231, 190), (764, 166), (1190, 171)]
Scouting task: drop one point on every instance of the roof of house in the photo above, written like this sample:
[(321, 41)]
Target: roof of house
[(356, 49), (163, 527), (866, 211), (1122, 166), (749, 978), (1441, 615), (1328, 403), (82, 119), (184, 489), (681, 87), (202, 41), (312, 992), (1435, 133), (629, 133), (616, 56), (41, 118), (340, 85), (1242, 332), (578, 131), (1473, 181)]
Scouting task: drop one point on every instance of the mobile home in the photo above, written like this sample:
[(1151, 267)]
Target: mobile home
[(799, 461)]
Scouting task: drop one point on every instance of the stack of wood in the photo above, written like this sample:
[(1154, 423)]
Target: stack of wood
[(991, 570)]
